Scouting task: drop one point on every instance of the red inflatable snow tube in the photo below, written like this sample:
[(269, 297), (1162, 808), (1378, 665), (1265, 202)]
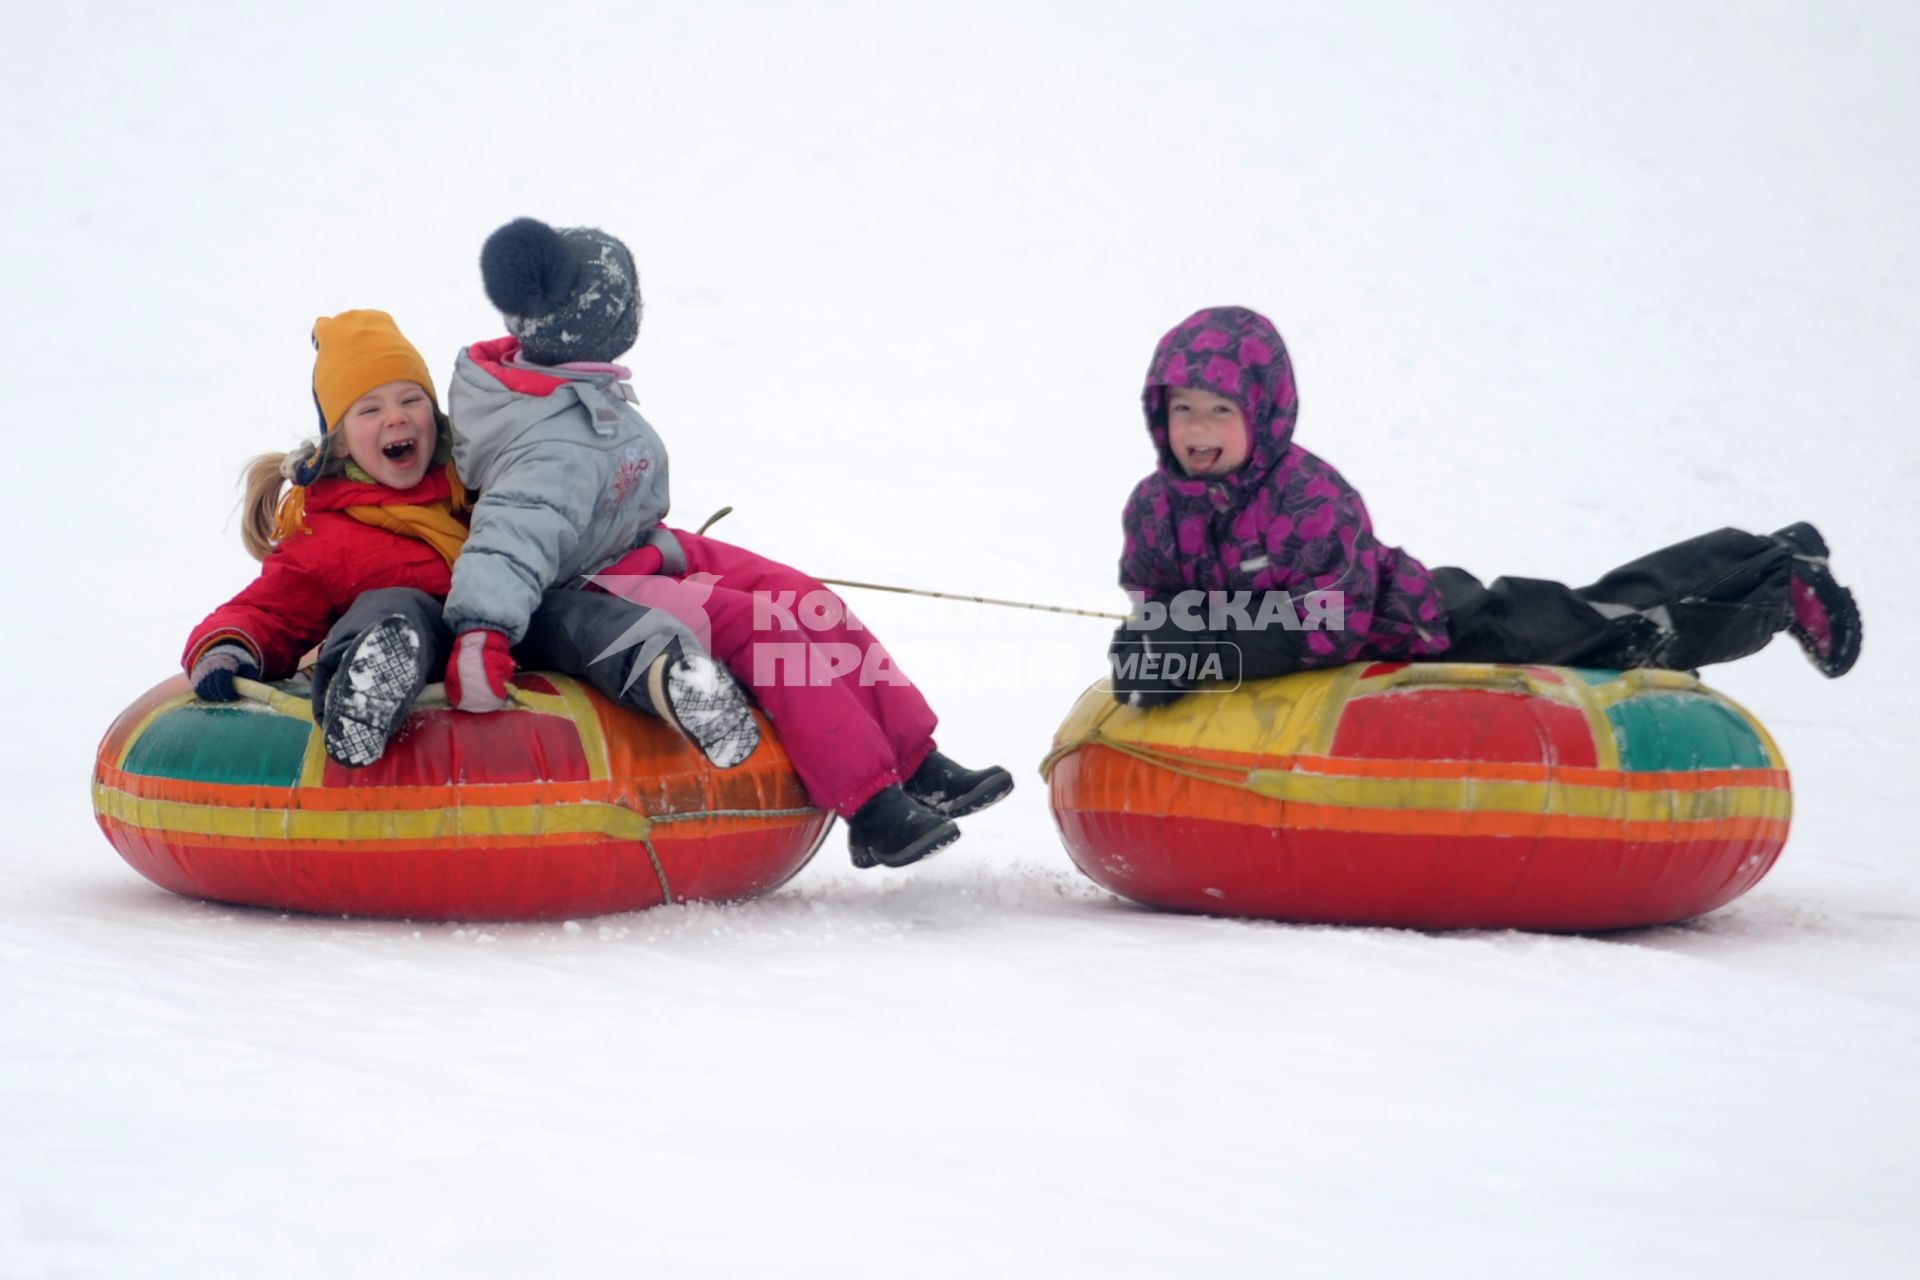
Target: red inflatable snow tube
[(1433, 795), (563, 805)]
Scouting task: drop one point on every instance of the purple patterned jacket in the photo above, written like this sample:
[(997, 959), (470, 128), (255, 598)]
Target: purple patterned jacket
[(1285, 521)]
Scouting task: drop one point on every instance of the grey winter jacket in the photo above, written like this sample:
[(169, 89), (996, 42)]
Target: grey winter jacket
[(570, 477)]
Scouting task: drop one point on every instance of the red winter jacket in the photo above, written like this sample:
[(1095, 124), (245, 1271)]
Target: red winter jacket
[(311, 578)]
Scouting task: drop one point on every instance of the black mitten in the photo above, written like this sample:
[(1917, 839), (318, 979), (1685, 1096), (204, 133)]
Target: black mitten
[(1143, 666), (213, 674)]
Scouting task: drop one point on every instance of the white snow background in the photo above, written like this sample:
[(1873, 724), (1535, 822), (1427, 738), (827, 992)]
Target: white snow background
[(1562, 283)]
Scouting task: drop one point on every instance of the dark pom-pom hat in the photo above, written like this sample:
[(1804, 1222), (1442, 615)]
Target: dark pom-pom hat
[(568, 293)]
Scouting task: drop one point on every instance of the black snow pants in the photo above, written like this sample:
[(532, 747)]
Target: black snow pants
[(1713, 598), (568, 633), (571, 630), (417, 607)]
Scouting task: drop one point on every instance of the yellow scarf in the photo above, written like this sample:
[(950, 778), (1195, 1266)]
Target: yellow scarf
[(432, 522), (437, 524)]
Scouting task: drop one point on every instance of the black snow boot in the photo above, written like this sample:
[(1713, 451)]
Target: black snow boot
[(954, 792), (1825, 621), (701, 699), (893, 829), (372, 691)]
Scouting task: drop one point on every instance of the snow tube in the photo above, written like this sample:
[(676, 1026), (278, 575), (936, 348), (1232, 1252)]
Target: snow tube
[(1429, 795), (565, 804)]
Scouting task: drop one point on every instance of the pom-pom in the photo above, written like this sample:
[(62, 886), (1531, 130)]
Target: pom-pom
[(528, 269)]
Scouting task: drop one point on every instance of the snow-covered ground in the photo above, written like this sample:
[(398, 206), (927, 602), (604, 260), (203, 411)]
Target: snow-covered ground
[(1561, 283)]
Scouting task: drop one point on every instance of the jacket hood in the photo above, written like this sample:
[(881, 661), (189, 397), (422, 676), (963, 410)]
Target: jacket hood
[(496, 402), (498, 357), (1238, 354)]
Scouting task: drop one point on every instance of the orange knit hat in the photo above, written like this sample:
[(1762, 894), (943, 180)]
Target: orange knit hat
[(356, 351)]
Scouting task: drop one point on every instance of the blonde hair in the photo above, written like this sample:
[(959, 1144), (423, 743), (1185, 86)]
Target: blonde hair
[(260, 485), (262, 499)]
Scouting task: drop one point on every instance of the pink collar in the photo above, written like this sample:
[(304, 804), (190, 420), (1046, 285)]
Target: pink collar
[(598, 368)]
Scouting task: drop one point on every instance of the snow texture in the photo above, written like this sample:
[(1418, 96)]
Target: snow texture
[(1561, 284)]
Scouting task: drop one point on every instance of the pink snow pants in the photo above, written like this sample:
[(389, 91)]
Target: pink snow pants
[(851, 722)]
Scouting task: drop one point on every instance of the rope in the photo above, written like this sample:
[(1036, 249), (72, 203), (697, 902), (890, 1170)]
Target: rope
[(697, 815), (939, 595), (948, 595), (300, 707), (666, 893), (1167, 760)]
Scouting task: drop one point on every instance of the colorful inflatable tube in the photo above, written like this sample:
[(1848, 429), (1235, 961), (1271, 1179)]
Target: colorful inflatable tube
[(562, 805), (1431, 795)]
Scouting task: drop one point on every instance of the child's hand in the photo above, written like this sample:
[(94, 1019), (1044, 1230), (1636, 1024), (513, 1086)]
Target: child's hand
[(478, 671), (1140, 676), (213, 674)]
